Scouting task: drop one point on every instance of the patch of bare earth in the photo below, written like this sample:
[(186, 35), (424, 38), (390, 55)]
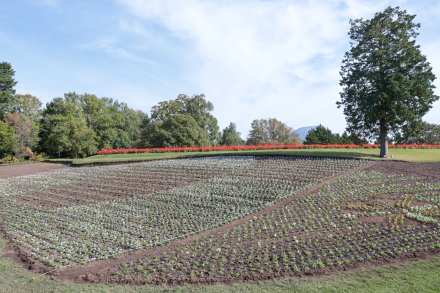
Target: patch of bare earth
[(14, 170)]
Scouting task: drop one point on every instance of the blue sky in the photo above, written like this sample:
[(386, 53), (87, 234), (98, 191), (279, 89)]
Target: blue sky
[(252, 59)]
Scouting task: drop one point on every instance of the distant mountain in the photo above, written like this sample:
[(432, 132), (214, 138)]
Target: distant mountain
[(303, 131)]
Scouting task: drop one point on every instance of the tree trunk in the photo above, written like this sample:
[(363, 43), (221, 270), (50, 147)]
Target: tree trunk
[(383, 142)]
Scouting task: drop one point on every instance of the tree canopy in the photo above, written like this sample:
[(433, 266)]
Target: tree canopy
[(230, 136), (322, 135), (196, 106), (387, 82), (7, 140), (78, 125), (271, 131), (429, 133), (177, 130), (7, 84)]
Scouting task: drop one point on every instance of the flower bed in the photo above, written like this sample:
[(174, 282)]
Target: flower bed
[(310, 234), (72, 216)]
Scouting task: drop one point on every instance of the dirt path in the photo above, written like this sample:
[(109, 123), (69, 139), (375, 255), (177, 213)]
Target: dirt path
[(15, 170)]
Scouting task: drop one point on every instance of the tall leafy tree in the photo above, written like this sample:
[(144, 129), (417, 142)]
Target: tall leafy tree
[(429, 134), (24, 118), (7, 140), (230, 136), (322, 135), (387, 82), (26, 134), (196, 106), (178, 130), (115, 124), (271, 131), (7, 84), (64, 129), (259, 133), (27, 105)]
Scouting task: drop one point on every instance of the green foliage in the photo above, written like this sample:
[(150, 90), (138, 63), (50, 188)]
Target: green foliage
[(176, 130), (64, 129), (271, 131), (26, 134), (27, 105), (231, 136), (196, 106), (7, 84), (387, 82), (7, 139), (428, 133), (115, 124), (78, 125), (322, 135)]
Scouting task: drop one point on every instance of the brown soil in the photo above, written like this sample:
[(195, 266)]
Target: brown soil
[(15, 170), (388, 201), (374, 220), (431, 170), (100, 271)]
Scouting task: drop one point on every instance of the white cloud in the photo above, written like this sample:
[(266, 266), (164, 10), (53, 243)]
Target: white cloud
[(259, 59)]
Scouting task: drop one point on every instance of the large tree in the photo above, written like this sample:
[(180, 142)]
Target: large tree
[(7, 84), (387, 82), (178, 130), (64, 129), (24, 118), (7, 140), (27, 105), (26, 134), (271, 131), (196, 106), (115, 124), (322, 135), (429, 133), (230, 136)]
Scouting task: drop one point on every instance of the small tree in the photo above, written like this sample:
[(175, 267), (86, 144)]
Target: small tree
[(387, 82), (231, 136)]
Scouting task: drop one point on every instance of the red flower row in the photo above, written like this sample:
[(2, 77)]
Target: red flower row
[(264, 147)]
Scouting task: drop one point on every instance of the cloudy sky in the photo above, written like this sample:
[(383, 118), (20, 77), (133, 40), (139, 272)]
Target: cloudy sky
[(252, 59)]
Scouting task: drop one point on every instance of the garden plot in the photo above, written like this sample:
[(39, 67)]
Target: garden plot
[(329, 229), (73, 216)]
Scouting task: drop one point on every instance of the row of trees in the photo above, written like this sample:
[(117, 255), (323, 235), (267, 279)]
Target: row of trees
[(77, 125)]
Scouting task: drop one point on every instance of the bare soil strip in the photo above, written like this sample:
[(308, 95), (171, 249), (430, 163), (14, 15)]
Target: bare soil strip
[(14, 170)]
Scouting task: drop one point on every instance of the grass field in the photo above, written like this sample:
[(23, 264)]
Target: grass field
[(410, 155), (414, 276)]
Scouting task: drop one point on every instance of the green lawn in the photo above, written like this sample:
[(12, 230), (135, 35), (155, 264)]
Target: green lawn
[(415, 276), (411, 155)]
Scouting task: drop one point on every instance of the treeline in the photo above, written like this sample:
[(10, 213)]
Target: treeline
[(78, 125)]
